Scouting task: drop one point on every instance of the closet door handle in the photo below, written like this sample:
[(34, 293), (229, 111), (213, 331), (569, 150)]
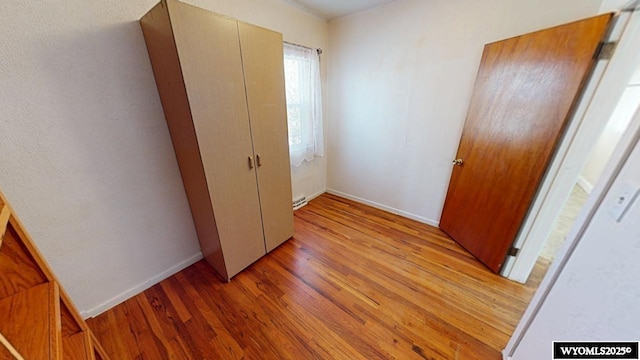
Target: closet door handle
[(258, 161), (250, 162)]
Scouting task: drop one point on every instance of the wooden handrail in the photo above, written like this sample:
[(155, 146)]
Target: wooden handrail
[(10, 348), (5, 214)]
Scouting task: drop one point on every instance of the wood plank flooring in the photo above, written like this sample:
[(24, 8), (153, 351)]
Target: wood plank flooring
[(354, 283)]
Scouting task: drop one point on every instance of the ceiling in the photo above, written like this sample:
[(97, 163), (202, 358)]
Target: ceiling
[(331, 9)]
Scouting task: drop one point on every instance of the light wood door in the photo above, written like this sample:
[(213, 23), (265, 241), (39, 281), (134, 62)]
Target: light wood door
[(262, 58), (209, 50), (524, 92)]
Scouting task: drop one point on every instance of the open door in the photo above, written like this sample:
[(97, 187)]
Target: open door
[(524, 93)]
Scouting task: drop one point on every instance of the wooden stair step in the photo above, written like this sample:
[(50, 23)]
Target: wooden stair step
[(30, 321), (38, 320), (18, 269), (98, 351), (77, 346), (7, 351), (70, 325)]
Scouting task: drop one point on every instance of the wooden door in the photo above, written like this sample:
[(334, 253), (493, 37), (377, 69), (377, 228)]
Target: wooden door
[(525, 90), (209, 50), (263, 62)]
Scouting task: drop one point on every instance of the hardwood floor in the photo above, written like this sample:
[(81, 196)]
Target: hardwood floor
[(354, 283)]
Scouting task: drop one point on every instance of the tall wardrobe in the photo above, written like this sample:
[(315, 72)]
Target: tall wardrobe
[(221, 83)]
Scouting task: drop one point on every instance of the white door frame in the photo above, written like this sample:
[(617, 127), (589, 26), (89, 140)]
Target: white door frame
[(598, 102), (627, 143)]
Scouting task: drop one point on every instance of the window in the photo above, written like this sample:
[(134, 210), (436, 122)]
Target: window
[(304, 103)]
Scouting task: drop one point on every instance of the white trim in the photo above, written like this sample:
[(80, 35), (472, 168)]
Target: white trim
[(376, 205), (7, 345), (309, 198), (507, 267), (628, 48), (127, 294), (585, 184), (629, 141), (574, 150)]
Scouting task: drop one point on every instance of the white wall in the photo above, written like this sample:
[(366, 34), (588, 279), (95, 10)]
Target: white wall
[(613, 5), (298, 27), (87, 161), (603, 148), (400, 83), (603, 274)]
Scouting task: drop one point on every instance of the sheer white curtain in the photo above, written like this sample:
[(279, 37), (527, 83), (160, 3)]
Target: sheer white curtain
[(304, 103)]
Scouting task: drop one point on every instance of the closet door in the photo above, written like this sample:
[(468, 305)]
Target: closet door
[(262, 59), (209, 52)]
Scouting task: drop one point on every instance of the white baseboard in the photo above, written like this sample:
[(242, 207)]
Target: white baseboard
[(313, 196), (585, 184), (385, 208), (307, 199), (122, 297)]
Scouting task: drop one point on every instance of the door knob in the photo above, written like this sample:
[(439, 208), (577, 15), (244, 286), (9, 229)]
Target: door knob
[(457, 162), (250, 162), (258, 160)]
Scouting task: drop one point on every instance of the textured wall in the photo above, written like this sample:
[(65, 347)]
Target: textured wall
[(86, 158), (401, 78)]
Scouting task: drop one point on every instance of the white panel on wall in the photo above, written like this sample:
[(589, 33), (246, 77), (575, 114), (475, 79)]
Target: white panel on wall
[(401, 78)]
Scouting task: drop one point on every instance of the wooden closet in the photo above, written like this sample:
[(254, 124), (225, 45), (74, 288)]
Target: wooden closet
[(221, 83), (37, 319)]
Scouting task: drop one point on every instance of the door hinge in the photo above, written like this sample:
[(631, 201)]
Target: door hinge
[(513, 251), (605, 50)]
